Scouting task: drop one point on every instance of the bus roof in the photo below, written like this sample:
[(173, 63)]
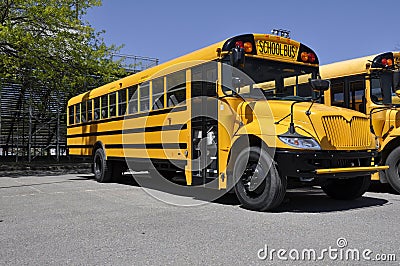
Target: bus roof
[(208, 53), (350, 67)]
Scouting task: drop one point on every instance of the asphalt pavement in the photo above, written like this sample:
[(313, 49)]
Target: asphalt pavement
[(72, 219)]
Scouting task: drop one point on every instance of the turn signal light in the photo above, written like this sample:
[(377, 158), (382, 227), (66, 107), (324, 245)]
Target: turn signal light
[(304, 56), (248, 47), (308, 57), (390, 62)]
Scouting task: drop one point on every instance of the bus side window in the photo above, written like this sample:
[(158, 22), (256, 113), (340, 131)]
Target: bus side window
[(113, 104), (176, 88), (71, 115), (78, 113), (357, 97), (133, 99), (122, 102), (144, 96), (83, 112), (89, 110), (158, 93), (104, 106), (337, 94), (97, 108)]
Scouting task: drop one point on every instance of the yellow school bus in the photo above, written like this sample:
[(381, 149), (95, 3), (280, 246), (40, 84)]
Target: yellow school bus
[(226, 118), (369, 85)]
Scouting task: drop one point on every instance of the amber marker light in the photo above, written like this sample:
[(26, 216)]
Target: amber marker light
[(389, 62), (248, 47), (304, 56)]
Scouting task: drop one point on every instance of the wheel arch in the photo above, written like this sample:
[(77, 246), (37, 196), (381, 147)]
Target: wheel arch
[(99, 145), (389, 147), (239, 144)]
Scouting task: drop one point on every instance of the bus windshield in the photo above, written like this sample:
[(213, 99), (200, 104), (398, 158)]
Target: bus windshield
[(384, 86), (269, 79)]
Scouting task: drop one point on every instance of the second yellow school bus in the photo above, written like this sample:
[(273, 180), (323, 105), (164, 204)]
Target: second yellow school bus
[(224, 115), (370, 85)]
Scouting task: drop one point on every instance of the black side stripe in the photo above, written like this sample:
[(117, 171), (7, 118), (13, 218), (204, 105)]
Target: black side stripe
[(80, 146), (131, 131), (148, 146), (119, 118)]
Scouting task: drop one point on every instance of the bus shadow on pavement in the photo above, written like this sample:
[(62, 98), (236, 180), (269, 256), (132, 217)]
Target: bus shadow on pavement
[(314, 200), (301, 200)]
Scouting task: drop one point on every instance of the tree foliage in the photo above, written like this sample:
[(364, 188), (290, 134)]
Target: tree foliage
[(47, 43)]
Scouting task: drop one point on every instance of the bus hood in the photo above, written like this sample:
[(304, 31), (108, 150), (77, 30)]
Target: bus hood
[(334, 128)]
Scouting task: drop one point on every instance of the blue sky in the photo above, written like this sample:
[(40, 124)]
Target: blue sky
[(336, 30)]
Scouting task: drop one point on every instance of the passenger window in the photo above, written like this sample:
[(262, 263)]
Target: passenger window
[(113, 104), (122, 102), (176, 88), (144, 96), (96, 108), (357, 97), (133, 100), (158, 93), (77, 113), (89, 110), (83, 112), (71, 115), (104, 106), (337, 94)]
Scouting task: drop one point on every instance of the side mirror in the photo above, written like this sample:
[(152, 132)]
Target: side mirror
[(320, 84), (386, 87), (237, 57)]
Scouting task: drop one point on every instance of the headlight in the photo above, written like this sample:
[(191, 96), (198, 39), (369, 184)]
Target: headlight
[(302, 143)]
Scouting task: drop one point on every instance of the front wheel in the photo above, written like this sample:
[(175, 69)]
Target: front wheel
[(347, 189), (393, 173), (258, 183)]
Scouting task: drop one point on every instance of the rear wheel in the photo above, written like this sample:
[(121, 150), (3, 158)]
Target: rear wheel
[(393, 173), (258, 183), (347, 189), (102, 168)]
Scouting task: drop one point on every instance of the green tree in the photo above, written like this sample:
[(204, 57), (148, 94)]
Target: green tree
[(46, 43)]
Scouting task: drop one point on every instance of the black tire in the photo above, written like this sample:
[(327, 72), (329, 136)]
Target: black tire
[(258, 183), (347, 189), (393, 173), (102, 168)]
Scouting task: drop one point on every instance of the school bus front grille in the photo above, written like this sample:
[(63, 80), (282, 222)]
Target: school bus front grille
[(342, 133)]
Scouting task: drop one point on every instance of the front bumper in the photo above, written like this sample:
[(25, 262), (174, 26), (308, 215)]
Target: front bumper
[(326, 164)]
